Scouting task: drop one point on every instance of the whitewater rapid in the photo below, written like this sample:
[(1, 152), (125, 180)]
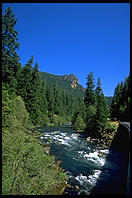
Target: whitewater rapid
[(82, 160)]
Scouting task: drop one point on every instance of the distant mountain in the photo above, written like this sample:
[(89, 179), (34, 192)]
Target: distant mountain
[(69, 83), (109, 100)]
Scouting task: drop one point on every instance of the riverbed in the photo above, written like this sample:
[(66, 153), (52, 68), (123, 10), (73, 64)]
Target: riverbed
[(82, 160)]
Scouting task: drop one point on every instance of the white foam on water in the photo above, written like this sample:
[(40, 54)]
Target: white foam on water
[(93, 178), (86, 180), (81, 178), (56, 132), (94, 157), (63, 141), (67, 138), (41, 137), (74, 136), (106, 151), (63, 134), (81, 152), (96, 173), (46, 135), (57, 136)]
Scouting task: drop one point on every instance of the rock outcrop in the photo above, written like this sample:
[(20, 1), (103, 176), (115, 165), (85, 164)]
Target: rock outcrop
[(73, 79)]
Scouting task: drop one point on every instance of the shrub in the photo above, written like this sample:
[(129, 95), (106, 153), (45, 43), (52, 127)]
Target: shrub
[(44, 120), (26, 169), (111, 127), (20, 111), (8, 116)]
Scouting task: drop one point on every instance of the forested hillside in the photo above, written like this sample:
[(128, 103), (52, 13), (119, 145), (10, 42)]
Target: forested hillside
[(26, 168), (32, 99), (120, 107), (69, 83)]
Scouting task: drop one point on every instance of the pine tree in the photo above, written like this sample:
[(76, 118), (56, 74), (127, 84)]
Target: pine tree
[(89, 93), (79, 123), (43, 99), (120, 107), (10, 59), (35, 109), (89, 101), (25, 82), (50, 100), (101, 110)]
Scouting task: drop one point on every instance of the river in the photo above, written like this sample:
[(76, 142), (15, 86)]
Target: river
[(82, 160)]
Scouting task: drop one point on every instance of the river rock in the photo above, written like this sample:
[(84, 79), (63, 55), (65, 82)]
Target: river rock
[(88, 138), (77, 187), (68, 186), (59, 162), (100, 154)]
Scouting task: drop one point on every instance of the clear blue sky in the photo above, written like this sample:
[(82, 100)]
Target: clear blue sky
[(76, 38)]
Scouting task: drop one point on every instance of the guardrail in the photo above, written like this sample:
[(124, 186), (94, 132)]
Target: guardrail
[(127, 126)]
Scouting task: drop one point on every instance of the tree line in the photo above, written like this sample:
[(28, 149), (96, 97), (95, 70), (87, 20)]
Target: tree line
[(120, 107), (27, 169), (96, 114), (29, 101), (45, 103)]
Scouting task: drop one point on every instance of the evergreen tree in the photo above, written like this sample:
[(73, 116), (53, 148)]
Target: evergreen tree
[(25, 82), (89, 92), (120, 107), (7, 110), (79, 123), (89, 101), (10, 59), (43, 99), (90, 120), (35, 109), (101, 110)]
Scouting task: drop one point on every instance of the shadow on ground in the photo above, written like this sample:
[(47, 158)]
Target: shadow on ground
[(113, 178)]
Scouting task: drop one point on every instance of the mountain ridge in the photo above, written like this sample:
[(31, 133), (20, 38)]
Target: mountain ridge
[(69, 83)]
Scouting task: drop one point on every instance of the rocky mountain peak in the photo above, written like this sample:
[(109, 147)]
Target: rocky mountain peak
[(73, 79)]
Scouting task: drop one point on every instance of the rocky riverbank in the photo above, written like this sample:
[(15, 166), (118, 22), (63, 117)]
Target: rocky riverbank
[(106, 137)]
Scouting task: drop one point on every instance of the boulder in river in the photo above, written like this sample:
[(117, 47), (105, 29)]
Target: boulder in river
[(68, 186), (100, 154), (77, 187), (59, 162)]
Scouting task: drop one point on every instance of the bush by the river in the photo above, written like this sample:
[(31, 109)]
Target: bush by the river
[(26, 169), (111, 127)]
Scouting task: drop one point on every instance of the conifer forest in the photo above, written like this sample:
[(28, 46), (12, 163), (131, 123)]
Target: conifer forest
[(32, 99)]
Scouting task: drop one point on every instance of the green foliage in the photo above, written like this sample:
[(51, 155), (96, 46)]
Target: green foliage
[(8, 115), (108, 100), (30, 96), (90, 120), (44, 120), (20, 112), (63, 82), (97, 110), (111, 127), (102, 109), (89, 92), (79, 123), (120, 107), (10, 64), (26, 170)]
